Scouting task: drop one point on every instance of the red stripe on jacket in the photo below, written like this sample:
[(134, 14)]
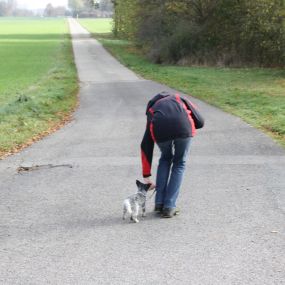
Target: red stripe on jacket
[(178, 99), (152, 131), (151, 125)]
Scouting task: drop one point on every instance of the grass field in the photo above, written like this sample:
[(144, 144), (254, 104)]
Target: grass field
[(38, 80), (97, 26), (256, 95)]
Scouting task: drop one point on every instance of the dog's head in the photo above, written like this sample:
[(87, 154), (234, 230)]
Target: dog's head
[(143, 187)]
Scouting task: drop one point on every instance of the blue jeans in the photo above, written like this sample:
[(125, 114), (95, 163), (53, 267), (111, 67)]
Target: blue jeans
[(169, 179)]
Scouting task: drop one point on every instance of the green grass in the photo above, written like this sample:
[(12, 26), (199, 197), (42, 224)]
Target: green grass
[(97, 26), (256, 95), (38, 80)]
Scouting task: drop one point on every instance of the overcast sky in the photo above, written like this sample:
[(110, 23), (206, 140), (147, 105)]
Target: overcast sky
[(39, 4)]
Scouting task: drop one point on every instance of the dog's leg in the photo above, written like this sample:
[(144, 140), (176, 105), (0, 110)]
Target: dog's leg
[(135, 213), (124, 213), (127, 208), (143, 210)]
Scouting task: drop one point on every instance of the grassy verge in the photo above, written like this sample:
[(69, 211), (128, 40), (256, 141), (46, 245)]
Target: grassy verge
[(38, 80), (98, 25), (254, 94)]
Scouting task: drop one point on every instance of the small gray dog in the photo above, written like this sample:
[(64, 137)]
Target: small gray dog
[(133, 203)]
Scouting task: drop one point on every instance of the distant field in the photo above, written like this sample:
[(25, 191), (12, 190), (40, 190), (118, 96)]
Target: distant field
[(97, 26), (38, 80), (256, 95)]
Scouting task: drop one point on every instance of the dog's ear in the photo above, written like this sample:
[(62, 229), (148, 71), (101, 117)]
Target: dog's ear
[(139, 184), (147, 186)]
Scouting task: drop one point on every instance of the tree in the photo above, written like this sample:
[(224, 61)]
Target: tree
[(205, 31), (59, 11), (92, 4), (3, 8), (76, 6), (84, 8), (49, 10), (106, 5), (11, 6), (7, 7), (125, 17)]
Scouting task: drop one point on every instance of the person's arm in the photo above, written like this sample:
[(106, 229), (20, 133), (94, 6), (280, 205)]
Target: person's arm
[(147, 146), (195, 114)]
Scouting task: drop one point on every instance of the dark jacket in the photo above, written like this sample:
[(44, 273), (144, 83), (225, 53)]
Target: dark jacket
[(168, 117)]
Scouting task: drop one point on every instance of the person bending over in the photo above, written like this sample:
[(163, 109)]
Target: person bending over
[(171, 123)]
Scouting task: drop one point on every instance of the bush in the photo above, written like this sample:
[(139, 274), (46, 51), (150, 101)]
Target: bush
[(217, 32)]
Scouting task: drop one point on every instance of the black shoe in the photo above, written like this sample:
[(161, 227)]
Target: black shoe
[(169, 212), (158, 208)]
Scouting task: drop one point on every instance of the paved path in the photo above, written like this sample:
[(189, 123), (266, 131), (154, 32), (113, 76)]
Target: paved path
[(63, 225)]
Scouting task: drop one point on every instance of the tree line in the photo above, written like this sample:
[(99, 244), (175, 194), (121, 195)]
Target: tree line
[(205, 32), (9, 8), (91, 8), (58, 11)]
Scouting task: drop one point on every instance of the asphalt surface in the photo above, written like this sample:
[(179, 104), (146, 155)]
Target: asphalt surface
[(62, 225)]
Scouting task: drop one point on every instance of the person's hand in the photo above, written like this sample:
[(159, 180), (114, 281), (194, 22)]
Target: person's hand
[(147, 180)]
